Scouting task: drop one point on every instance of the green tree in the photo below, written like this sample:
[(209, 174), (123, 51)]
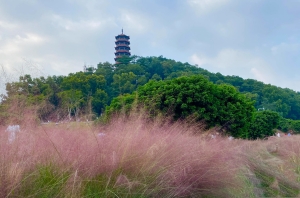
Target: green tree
[(156, 77), (121, 103), (124, 83), (295, 126), (284, 124), (185, 96), (106, 69), (72, 100), (99, 101), (84, 82), (263, 124), (124, 59)]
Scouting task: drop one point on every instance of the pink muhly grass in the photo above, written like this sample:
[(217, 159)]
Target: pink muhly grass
[(170, 156), (280, 155)]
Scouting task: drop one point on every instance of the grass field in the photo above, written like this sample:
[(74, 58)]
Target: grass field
[(137, 158)]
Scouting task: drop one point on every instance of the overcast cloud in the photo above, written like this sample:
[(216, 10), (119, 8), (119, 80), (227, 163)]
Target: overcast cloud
[(256, 39)]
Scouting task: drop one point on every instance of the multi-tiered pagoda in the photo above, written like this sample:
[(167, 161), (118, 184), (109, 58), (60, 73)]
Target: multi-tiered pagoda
[(122, 46)]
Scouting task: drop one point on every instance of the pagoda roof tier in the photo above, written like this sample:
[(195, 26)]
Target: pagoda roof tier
[(122, 35), (122, 51), (127, 54), (126, 43), (127, 47)]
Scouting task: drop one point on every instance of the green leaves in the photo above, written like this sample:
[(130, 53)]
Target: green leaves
[(195, 95), (86, 83), (263, 124), (182, 96), (289, 125), (120, 103), (72, 100), (99, 101)]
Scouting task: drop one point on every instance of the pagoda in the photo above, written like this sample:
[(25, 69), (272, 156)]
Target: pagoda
[(122, 46)]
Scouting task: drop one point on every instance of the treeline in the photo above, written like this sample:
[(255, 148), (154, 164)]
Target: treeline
[(88, 93)]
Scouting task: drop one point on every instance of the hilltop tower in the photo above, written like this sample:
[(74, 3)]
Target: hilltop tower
[(122, 46)]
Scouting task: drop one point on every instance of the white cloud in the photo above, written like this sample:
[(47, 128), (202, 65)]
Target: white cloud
[(30, 38), (206, 5), (135, 22), (11, 70), (291, 84), (7, 25), (73, 25), (20, 43), (260, 75), (54, 64), (14, 50), (247, 65), (235, 62), (285, 48)]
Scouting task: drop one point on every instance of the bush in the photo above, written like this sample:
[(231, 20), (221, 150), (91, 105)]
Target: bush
[(286, 125), (118, 104), (193, 96), (263, 124)]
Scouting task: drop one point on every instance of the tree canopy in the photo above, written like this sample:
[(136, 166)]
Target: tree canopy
[(219, 105), (97, 87), (263, 124)]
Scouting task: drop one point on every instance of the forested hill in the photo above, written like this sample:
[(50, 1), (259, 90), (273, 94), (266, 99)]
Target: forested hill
[(89, 92)]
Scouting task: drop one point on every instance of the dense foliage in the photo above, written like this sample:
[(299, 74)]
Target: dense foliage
[(219, 105), (88, 93), (216, 104), (263, 124), (121, 103), (288, 125)]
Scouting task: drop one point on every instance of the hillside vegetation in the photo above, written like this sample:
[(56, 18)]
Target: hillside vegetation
[(192, 97), (89, 93)]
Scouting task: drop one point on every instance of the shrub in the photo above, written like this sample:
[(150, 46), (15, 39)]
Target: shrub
[(263, 124), (194, 96), (122, 103), (287, 124)]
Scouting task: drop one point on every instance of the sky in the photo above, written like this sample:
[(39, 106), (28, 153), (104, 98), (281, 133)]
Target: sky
[(257, 39)]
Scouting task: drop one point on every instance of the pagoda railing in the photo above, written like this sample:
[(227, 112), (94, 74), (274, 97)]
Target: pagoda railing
[(122, 51), (125, 54), (125, 45), (122, 48), (122, 39)]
